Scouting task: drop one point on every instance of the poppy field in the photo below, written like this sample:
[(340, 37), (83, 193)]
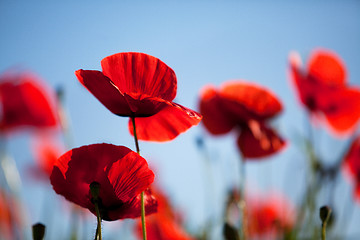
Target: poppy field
[(148, 125)]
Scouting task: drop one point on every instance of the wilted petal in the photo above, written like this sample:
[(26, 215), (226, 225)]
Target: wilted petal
[(139, 73), (166, 124)]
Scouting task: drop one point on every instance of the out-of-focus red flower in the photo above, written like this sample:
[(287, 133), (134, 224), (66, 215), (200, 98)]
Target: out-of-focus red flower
[(165, 224), (24, 102), (161, 227), (351, 165), (248, 107), (10, 218), (46, 151), (141, 86), (269, 216), (322, 89), (121, 173)]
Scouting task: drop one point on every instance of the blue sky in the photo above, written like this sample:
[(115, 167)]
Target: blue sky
[(204, 42)]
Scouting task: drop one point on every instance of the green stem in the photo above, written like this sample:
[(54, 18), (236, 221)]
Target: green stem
[(325, 213), (135, 135), (95, 193), (143, 223), (323, 232), (98, 229), (242, 202)]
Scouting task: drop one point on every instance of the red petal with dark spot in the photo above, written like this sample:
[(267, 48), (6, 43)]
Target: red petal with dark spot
[(139, 73), (166, 124)]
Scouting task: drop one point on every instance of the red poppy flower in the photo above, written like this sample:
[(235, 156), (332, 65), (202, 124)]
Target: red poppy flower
[(269, 216), (248, 107), (323, 90), (121, 173), (25, 101), (351, 165), (46, 151), (164, 224), (141, 86)]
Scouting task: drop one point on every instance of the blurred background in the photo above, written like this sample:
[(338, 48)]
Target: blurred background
[(204, 42)]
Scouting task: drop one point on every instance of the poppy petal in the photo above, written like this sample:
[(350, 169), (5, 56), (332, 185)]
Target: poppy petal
[(105, 91), (258, 101), (46, 151), (166, 124), (343, 110), (121, 104), (351, 163), (165, 224), (145, 107), (161, 227), (139, 73), (130, 176), (357, 192), (270, 215), (25, 101), (328, 68), (301, 85), (214, 118), (78, 168), (132, 209), (259, 142)]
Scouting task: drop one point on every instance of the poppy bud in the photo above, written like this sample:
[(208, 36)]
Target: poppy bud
[(325, 212), (38, 231), (230, 232)]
